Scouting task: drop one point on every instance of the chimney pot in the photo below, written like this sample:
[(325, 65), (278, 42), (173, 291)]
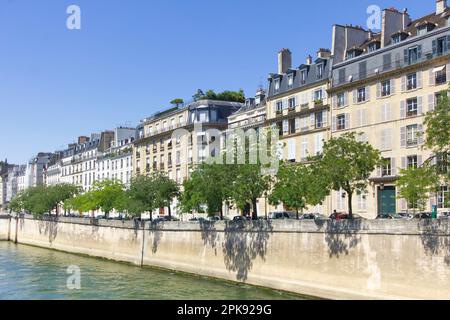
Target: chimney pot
[(309, 60)]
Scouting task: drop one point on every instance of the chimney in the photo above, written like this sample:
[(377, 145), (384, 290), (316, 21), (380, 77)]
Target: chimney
[(284, 61), (83, 139), (309, 60), (441, 6), (323, 53), (260, 96)]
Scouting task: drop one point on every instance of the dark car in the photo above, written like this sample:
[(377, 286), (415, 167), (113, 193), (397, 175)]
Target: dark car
[(345, 216), (197, 219), (282, 215), (423, 215), (385, 216), (241, 218)]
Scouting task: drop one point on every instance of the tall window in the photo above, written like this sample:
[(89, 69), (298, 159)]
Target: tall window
[(292, 103), (290, 80), (318, 96), (361, 94), (319, 71), (412, 135), (341, 99), (386, 88), (386, 168), (411, 81), (413, 54), (411, 107), (277, 85), (443, 197), (303, 76), (412, 162), (340, 122), (279, 106)]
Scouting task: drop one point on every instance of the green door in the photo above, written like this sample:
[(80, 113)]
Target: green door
[(387, 200)]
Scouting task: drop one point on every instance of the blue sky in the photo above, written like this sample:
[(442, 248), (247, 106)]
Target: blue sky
[(132, 57)]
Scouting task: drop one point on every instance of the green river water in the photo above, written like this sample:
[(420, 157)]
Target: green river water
[(29, 273)]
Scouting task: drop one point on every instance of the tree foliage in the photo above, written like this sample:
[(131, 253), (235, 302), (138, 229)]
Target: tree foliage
[(232, 96), (177, 102), (437, 125), (298, 185), (416, 184), (348, 164)]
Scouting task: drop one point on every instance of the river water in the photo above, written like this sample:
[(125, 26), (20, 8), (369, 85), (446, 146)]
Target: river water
[(29, 273)]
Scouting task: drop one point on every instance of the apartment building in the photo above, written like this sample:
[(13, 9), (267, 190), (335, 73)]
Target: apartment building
[(79, 161), (174, 140), (382, 86), (116, 163), (298, 105), (52, 171)]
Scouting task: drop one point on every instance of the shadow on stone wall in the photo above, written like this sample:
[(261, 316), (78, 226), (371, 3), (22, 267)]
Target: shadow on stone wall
[(156, 231), (243, 243), (435, 238), (209, 234), (341, 236), (49, 227)]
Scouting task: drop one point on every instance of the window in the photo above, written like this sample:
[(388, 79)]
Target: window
[(340, 122), (362, 202), (387, 62), (342, 76), (443, 197), (292, 126), (374, 46), (361, 95), (397, 38), (290, 80), (441, 76), (412, 162), (341, 99), (277, 85), (412, 55), (386, 88), (440, 46), (442, 163), (279, 106), (319, 120), (303, 76), (386, 168), (292, 103), (318, 96), (412, 135), (411, 81), (411, 107), (422, 30), (319, 71)]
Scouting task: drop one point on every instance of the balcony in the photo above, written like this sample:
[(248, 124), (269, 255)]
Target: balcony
[(291, 109), (412, 143), (138, 155), (410, 114), (318, 103)]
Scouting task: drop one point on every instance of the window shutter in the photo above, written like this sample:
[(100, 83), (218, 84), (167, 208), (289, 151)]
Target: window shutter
[(403, 205), (433, 160), (378, 90), (419, 105), (403, 137), (434, 45), (285, 103), (403, 83), (406, 56), (325, 94), (297, 99), (402, 109), (448, 71), (312, 119), (448, 43), (368, 93), (297, 123), (420, 137), (313, 97), (430, 102), (334, 102), (419, 52), (325, 116), (285, 126), (393, 167), (292, 151), (403, 163), (392, 86), (355, 96), (346, 98), (419, 79), (419, 161), (347, 121), (334, 124), (431, 78), (379, 171)]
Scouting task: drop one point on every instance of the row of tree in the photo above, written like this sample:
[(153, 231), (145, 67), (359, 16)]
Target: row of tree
[(345, 164)]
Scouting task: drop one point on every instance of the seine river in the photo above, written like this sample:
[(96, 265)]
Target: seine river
[(29, 273)]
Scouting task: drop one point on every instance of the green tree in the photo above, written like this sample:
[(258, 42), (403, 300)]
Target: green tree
[(437, 125), (177, 102), (165, 190), (348, 164), (298, 186), (415, 185), (141, 196), (59, 193), (106, 195), (231, 96)]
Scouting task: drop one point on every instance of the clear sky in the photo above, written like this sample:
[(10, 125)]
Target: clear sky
[(132, 57)]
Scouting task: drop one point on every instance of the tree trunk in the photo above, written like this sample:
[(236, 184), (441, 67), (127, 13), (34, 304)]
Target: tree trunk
[(350, 207), (170, 211), (255, 208), (221, 213), (298, 215)]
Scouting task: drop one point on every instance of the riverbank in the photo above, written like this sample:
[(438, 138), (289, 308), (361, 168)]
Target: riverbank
[(329, 259)]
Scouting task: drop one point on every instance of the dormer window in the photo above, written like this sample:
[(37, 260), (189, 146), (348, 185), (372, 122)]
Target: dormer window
[(421, 30), (374, 46), (320, 71), (425, 27), (353, 53), (290, 80), (303, 76), (277, 85)]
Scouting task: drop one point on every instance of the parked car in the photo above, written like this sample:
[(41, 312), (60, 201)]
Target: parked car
[(166, 219), (423, 215), (312, 216), (282, 215), (345, 216), (215, 218), (385, 216), (197, 219), (242, 218), (444, 215)]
